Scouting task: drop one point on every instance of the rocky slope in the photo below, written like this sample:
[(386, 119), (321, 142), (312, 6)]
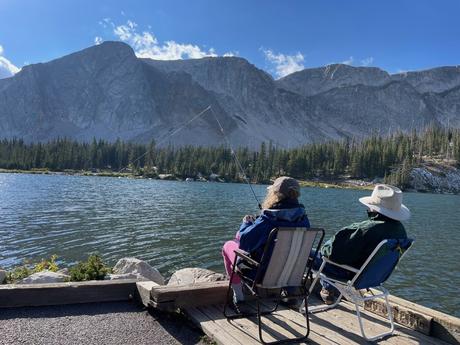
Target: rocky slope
[(106, 92), (437, 178)]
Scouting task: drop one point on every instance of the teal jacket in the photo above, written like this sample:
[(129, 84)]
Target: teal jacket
[(353, 244)]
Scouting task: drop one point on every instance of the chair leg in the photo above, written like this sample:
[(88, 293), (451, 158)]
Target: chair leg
[(305, 302), (390, 319), (325, 306), (291, 340)]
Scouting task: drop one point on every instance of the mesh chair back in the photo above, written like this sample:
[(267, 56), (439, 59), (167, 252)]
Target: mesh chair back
[(382, 264), (288, 261)]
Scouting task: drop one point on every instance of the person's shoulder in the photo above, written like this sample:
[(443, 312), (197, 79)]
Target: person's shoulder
[(364, 224)]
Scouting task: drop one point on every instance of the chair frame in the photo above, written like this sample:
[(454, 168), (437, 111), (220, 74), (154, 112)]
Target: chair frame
[(256, 285), (354, 295)]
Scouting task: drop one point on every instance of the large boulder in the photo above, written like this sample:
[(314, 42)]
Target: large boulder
[(188, 276), (2, 276), (44, 277), (125, 276), (128, 268)]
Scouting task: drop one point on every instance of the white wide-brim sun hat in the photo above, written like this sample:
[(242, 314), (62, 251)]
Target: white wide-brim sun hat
[(387, 200)]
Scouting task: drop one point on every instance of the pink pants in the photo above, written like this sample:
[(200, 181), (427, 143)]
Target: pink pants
[(229, 256)]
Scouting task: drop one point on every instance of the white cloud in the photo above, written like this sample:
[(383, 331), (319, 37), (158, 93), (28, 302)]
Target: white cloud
[(230, 54), (146, 45), (367, 61), (98, 40), (284, 64), (349, 61), (401, 71), (7, 68)]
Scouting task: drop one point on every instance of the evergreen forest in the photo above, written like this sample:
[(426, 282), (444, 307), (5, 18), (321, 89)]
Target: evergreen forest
[(390, 158)]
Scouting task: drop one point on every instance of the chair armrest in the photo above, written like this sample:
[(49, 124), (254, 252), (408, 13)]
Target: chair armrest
[(245, 256), (346, 267)]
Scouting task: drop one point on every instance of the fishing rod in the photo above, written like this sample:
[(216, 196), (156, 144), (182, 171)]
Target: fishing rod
[(235, 157)]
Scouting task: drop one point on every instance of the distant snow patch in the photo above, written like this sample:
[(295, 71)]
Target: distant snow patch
[(98, 40)]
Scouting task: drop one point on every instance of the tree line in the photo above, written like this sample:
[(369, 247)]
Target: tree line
[(389, 157)]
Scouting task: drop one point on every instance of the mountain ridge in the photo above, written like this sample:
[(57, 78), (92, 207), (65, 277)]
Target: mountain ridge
[(106, 92)]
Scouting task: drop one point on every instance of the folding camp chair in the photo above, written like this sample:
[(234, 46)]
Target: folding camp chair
[(280, 274), (372, 274)]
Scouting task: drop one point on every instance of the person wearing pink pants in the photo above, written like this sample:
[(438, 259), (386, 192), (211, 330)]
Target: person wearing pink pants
[(280, 208)]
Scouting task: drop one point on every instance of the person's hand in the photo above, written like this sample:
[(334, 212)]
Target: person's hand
[(249, 218)]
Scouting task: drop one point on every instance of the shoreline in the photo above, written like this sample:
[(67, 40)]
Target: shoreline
[(353, 184), (337, 184)]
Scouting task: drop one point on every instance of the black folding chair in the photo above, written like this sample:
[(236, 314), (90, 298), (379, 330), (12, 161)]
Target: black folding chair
[(281, 273)]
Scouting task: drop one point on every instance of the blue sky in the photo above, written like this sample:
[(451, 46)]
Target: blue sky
[(278, 36)]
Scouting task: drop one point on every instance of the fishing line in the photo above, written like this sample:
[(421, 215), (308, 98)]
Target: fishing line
[(235, 157), (177, 130)]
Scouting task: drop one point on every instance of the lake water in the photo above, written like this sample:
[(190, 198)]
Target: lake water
[(173, 225)]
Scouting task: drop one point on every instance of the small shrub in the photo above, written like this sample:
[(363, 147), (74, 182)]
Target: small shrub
[(27, 268), (92, 269), (49, 265), (17, 274)]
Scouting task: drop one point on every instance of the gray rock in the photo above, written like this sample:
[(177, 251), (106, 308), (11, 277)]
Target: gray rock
[(112, 276), (2, 276), (44, 277), (435, 178), (129, 268), (188, 276), (64, 270)]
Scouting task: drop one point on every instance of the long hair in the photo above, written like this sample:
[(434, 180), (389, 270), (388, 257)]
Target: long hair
[(274, 197)]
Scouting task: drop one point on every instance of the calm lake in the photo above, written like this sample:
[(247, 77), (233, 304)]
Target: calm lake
[(174, 225)]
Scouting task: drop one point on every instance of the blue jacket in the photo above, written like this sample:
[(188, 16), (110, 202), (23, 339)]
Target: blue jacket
[(253, 236)]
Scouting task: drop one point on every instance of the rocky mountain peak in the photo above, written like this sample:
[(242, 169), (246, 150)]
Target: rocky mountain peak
[(311, 81), (106, 92)]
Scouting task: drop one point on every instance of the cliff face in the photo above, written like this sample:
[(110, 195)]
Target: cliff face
[(435, 178), (107, 92)]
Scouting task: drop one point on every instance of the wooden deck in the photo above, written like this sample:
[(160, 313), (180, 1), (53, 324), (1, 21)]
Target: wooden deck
[(336, 326), (203, 304)]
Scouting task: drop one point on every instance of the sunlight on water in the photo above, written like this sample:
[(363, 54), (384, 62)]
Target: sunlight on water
[(174, 225)]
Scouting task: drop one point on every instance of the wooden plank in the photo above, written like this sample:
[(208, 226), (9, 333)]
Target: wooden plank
[(443, 326), (25, 295), (331, 333), (182, 296), (216, 332), (285, 316), (401, 315), (340, 325), (336, 326), (425, 320), (241, 331), (143, 291), (343, 319), (279, 328)]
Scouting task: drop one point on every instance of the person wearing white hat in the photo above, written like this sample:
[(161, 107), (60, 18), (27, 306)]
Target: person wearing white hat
[(354, 243)]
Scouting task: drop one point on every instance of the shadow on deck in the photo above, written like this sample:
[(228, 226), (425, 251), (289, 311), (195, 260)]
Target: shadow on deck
[(336, 326)]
